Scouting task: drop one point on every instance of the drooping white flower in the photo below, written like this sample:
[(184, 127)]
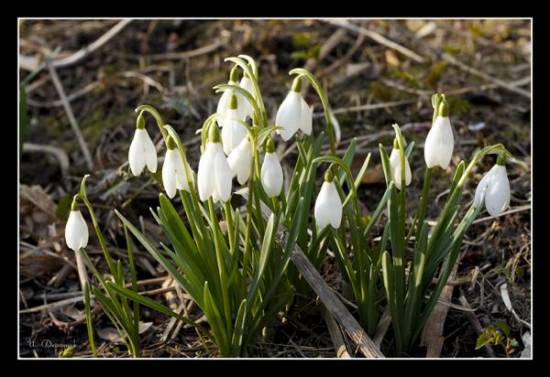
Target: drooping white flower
[(214, 174), (76, 230), (494, 190), (247, 85), (328, 206), (173, 173), (225, 99), (271, 173), (438, 148), (142, 153), (294, 113), (395, 166), (240, 161), (233, 131)]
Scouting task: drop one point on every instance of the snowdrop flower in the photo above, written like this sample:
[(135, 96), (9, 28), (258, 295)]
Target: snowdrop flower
[(247, 85), (294, 113), (494, 189), (438, 148), (328, 206), (214, 175), (225, 99), (395, 166), (240, 161), (233, 131), (173, 171), (76, 230), (142, 150), (271, 172)]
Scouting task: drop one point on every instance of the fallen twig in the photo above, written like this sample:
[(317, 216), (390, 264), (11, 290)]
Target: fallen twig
[(84, 52), (58, 153), (335, 335), (473, 71), (70, 115), (432, 334)]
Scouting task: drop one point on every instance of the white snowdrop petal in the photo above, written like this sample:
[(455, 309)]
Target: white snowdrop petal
[(479, 196), (240, 161), (76, 231), (320, 211), (497, 197), (439, 145), (222, 175), (328, 207), (232, 134), (225, 101), (307, 118), (289, 115), (247, 85), (334, 205), (395, 166), (205, 179), (272, 175), (168, 172), (181, 177), (136, 157), (181, 181), (150, 154)]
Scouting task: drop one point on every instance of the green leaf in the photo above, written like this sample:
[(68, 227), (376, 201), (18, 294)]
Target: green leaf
[(156, 254), (347, 159), (267, 246), (150, 303), (89, 324), (482, 341), (504, 327), (237, 338)]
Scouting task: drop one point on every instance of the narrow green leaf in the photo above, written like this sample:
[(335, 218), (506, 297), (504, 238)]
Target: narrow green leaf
[(89, 324)]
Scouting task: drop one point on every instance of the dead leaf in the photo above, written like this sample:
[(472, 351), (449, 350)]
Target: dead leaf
[(40, 198), (391, 58), (374, 175), (111, 334)]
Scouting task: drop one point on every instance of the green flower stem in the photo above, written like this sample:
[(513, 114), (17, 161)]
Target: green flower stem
[(221, 266), (229, 222), (421, 214), (156, 115), (98, 232), (324, 101)]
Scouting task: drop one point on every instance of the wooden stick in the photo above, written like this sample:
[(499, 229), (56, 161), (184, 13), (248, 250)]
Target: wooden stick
[(335, 335), (451, 59), (70, 115), (432, 334), (383, 326), (82, 53)]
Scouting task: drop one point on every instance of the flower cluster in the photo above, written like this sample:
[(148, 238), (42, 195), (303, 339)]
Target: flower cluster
[(225, 271)]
